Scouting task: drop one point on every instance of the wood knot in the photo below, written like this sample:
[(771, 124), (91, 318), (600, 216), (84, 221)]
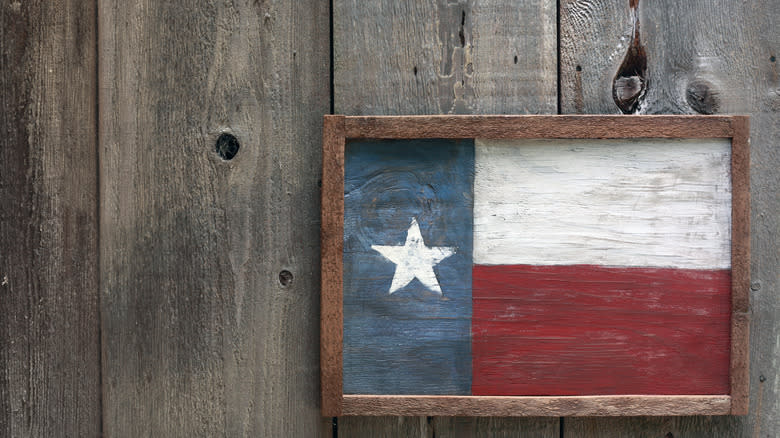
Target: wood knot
[(227, 146), (629, 85), (285, 278), (702, 97), (628, 92)]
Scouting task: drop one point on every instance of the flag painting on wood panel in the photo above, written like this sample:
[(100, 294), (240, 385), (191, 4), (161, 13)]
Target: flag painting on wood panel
[(536, 267)]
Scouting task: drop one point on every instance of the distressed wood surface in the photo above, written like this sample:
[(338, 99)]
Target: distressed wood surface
[(407, 266), (494, 427), (591, 330), (49, 320), (169, 88), (541, 126), (384, 427), (740, 268), (700, 320), (652, 203), (546, 406), (444, 57), (332, 267), (463, 57), (703, 57), (442, 427), (209, 267)]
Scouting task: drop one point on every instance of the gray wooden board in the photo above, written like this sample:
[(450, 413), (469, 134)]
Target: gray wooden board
[(446, 427), (200, 335), (209, 267), (444, 57), (702, 56), (494, 427), (594, 37), (383, 427), (49, 320)]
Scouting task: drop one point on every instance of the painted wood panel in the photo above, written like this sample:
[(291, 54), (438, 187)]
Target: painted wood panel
[(662, 203), (709, 57), (638, 323), (209, 265), (469, 57), (407, 266), (592, 330), (49, 312)]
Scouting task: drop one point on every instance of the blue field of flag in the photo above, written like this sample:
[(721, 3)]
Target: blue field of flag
[(401, 335)]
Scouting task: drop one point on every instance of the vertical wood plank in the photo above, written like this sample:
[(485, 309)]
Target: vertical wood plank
[(702, 57), (594, 37), (384, 427), (494, 427), (210, 267), (444, 57), (49, 320)]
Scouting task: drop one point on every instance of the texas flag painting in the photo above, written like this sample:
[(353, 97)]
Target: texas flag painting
[(537, 267)]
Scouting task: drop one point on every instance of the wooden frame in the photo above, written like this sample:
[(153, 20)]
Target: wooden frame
[(337, 129)]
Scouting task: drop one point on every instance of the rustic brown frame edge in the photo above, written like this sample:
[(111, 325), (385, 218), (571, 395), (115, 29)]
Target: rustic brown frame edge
[(625, 405), (337, 129), (740, 266), (581, 126), (332, 247)]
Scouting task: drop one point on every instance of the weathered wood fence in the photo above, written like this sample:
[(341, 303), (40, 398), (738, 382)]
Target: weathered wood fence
[(150, 287)]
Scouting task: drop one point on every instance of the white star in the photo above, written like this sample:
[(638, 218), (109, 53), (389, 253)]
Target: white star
[(414, 260)]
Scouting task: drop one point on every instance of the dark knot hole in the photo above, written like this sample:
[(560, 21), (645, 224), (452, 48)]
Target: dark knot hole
[(227, 146)]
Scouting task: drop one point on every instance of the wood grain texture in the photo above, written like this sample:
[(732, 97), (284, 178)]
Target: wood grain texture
[(209, 268), (332, 266), (384, 427), (740, 216), (740, 357), (593, 330), (444, 427), (719, 126), (652, 427), (634, 202), (444, 57), (407, 266), (536, 406), (537, 126), (594, 38), (494, 427), (703, 57), (740, 268), (49, 312)]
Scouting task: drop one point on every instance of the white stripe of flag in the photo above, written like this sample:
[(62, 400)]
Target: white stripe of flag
[(644, 202)]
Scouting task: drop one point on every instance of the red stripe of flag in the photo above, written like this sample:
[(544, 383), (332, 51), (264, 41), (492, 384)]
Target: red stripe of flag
[(589, 330)]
